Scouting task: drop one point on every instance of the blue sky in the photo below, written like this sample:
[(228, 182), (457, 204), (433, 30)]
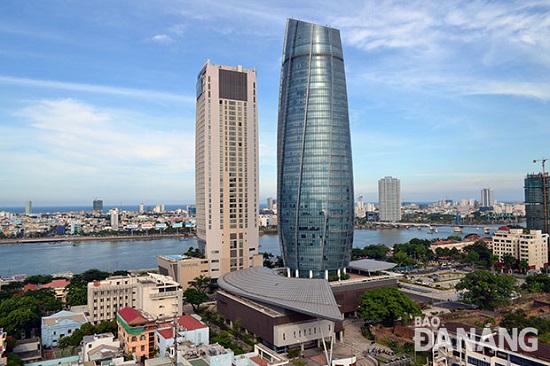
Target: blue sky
[(97, 97)]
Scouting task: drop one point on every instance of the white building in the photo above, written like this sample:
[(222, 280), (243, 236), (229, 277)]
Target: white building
[(531, 245), (98, 348), (389, 199), (226, 168), (190, 329), (155, 294), (473, 346), (59, 325), (114, 218)]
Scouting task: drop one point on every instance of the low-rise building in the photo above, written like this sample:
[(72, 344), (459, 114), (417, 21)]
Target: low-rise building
[(59, 286), (136, 332), (182, 268), (29, 350), (189, 328), (100, 348), (522, 244), (59, 325), (157, 295), (284, 312), (462, 344)]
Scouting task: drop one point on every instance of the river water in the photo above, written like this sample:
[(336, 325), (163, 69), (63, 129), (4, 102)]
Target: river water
[(46, 258)]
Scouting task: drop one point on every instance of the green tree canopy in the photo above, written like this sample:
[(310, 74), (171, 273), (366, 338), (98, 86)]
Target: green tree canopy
[(537, 283), (194, 297), (202, 284), (374, 251), (38, 279), (386, 305), (487, 290)]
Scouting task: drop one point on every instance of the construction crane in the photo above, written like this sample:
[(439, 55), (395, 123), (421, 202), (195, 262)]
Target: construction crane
[(544, 195)]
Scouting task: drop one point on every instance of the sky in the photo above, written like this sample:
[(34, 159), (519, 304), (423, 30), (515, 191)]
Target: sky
[(97, 98)]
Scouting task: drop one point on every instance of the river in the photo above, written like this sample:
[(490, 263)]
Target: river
[(46, 258)]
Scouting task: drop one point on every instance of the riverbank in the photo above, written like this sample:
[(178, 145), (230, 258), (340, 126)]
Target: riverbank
[(59, 239)]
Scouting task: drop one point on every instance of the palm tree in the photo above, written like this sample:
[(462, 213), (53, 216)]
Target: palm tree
[(523, 265), (509, 261)]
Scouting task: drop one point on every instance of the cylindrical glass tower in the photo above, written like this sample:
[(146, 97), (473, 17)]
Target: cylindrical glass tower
[(314, 165)]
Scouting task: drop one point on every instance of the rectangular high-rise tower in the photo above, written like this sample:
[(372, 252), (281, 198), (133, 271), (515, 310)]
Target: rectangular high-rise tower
[(537, 204), (487, 198), (226, 167), (97, 205), (389, 199), (314, 165)]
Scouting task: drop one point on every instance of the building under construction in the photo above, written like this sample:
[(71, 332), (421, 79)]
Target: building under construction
[(536, 201)]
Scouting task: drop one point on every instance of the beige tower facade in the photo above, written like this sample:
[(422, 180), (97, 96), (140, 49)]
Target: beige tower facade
[(226, 168)]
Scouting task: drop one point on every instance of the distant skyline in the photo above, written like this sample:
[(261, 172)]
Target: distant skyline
[(97, 99)]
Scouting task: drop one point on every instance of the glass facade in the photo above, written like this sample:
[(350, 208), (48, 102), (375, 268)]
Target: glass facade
[(537, 202), (314, 165)]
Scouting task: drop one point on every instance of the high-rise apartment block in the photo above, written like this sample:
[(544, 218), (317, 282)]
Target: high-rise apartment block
[(487, 198), (314, 164), (389, 199), (157, 295), (114, 218), (537, 205), (226, 167), (530, 245), (28, 207), (97, 205)]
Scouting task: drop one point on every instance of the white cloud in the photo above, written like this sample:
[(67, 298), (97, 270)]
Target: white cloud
[(98, 89), (81, 150), (163, 39)]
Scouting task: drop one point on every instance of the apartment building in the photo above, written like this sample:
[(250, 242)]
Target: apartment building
[(136, 332), (155, 294), (531, 245)]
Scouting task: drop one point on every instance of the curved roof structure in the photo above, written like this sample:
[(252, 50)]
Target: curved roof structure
[(313, 297), (371, 265)]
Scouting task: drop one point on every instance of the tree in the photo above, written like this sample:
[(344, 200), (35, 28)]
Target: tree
[(268, 262), (523, 265), (77, 296), (194, 297), (106, 326), (202, 284), (401, 258), (14, 360), (537, 283), (386, 305), (38, 279), (509, 261), (487, 290)]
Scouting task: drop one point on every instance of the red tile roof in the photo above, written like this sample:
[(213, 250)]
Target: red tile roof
[(30, 286), (166, 333), (56, 283), (132, 316), (260, 361), (190, 323)]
